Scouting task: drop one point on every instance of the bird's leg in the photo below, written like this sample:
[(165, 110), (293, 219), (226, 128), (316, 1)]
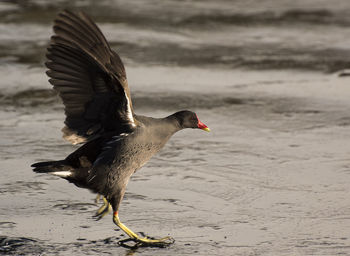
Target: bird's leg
[(97, 199), (104, 209), (142, 241)]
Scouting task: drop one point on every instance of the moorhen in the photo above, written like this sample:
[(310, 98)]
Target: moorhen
[(90, 79)]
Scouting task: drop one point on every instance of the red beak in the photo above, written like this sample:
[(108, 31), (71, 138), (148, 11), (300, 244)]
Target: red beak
[(202, 126)]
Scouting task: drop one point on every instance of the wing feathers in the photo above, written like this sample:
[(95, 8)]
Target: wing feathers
[(71, 19), (65, 76), (81, 41), (58, 67), (93, 27), (89, 77)]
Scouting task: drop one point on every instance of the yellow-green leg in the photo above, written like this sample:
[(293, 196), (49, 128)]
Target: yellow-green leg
[(104, 209), (97, 199), (142, 241)]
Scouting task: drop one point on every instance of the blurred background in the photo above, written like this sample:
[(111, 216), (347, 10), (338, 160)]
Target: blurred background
[(270, 179), (269, 34)]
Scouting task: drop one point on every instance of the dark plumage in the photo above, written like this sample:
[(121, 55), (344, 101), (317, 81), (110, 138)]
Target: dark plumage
[(91, 81)]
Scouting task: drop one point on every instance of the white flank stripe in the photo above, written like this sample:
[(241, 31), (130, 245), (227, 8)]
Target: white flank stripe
[(128, 111), (62, 174)]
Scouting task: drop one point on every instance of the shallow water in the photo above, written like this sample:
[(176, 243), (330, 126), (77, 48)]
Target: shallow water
[(270, 179)]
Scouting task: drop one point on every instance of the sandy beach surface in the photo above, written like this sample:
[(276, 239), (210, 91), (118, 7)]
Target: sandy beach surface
[(272, 178)]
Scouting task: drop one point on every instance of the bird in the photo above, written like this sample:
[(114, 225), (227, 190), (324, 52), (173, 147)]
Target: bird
[(90, 79)]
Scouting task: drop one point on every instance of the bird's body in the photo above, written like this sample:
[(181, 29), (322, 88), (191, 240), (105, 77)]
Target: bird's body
[(91, 80), (120, 155)]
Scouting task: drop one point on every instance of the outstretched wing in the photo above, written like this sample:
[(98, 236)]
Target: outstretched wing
[(89, 77)]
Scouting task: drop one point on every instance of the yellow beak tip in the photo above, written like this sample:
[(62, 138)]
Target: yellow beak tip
[(206, 129)]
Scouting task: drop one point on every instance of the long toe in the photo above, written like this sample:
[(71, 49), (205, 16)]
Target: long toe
[(162, 242), (168, 240), (103, 210), (140, 241), (100, 214), (147, 242)]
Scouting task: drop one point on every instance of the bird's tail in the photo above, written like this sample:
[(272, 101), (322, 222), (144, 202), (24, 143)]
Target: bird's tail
[(58, 168)]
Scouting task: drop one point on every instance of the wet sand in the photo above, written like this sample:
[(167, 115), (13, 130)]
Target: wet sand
[(271, 178)]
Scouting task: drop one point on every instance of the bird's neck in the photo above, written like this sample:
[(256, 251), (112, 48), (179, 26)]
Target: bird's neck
[(172, 124)]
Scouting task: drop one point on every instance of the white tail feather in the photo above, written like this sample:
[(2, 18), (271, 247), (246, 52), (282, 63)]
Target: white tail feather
[(62, 174)]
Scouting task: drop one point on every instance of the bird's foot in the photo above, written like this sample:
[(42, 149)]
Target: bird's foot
[(147, 242), (97, 199), (103, 210), (140, 241)]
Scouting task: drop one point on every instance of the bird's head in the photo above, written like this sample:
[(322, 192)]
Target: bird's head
[(189, 119)]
